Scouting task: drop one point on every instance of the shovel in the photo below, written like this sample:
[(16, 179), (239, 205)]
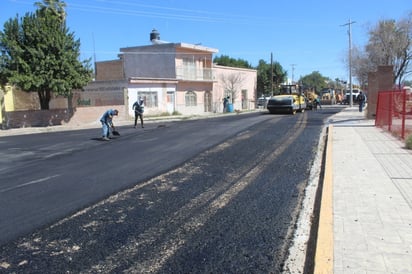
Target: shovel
[(115, 133)]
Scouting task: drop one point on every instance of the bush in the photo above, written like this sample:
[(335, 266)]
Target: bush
[(408, 142)]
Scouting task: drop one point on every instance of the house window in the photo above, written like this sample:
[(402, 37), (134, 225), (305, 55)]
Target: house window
[(189, 68), (149, 97), (190, 99)]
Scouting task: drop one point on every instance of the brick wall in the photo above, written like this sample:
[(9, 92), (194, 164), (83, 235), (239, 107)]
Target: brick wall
[(109, 70), (372, 94), (35, 118), (380, 80), (89, 116), (87, 107), (97, 98)]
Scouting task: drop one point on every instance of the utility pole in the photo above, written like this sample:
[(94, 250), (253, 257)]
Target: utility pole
[(349, 24), (293, 72), (271, 73)]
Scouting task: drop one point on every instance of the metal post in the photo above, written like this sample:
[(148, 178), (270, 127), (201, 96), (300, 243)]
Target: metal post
[(271, 73), (350, 63), (349, 24), (293, 72)]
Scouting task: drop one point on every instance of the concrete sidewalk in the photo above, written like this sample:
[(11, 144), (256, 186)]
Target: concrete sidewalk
[(372, 197)]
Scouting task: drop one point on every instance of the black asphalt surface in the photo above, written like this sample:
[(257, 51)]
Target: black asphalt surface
[(208, 196)]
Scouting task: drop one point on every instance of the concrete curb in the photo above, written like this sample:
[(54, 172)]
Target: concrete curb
[(324, 246)]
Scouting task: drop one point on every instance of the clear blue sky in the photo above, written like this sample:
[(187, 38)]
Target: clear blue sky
[(302, 34)]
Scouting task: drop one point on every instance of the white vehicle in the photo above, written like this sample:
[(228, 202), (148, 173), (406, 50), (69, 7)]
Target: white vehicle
[(262, 101), (355, 94)]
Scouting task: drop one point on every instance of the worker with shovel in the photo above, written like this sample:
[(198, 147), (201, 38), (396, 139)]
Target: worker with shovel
[(107, 123)]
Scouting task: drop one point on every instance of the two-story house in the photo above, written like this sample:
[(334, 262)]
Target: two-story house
[(176, 77)]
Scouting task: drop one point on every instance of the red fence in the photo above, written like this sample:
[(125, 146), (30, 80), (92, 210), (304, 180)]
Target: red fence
[(394, 112)]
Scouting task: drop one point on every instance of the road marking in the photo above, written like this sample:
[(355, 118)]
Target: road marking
[(29, 183)]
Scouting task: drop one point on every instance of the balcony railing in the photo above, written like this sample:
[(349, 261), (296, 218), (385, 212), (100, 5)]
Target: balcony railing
[(185, 73)]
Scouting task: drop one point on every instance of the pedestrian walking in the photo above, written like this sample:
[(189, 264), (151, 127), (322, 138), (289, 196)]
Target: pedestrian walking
[(361, 101), (138, 108), (107, 123), (317, 103)]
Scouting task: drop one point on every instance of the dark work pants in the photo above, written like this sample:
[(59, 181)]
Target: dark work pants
[(136, 116)]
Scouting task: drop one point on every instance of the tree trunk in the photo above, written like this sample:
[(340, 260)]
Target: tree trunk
[(70, 104), (44, 97)]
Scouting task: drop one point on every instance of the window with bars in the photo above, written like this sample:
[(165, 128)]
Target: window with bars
[(189, 68), (149, 97), (190, 99)]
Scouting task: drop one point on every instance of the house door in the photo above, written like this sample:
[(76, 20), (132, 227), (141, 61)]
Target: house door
[(244, 99), (170, 105), (208, 101)]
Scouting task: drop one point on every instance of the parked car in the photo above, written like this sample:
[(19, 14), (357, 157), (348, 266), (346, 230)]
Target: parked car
[(355, 94), (287, 103), (262, 101)]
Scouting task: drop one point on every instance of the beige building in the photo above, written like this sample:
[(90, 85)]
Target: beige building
[(176, 78)]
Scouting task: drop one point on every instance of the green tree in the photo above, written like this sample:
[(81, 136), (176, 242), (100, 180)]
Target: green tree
[(227, 61), (55, 7), (264, 76), (39, 54), (314, 81)]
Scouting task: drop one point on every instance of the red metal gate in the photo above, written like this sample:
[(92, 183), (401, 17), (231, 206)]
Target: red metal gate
[(394, 112)]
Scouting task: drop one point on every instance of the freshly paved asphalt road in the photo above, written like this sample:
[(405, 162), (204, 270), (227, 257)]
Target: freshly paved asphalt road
[(218, 195), (45, 177)]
